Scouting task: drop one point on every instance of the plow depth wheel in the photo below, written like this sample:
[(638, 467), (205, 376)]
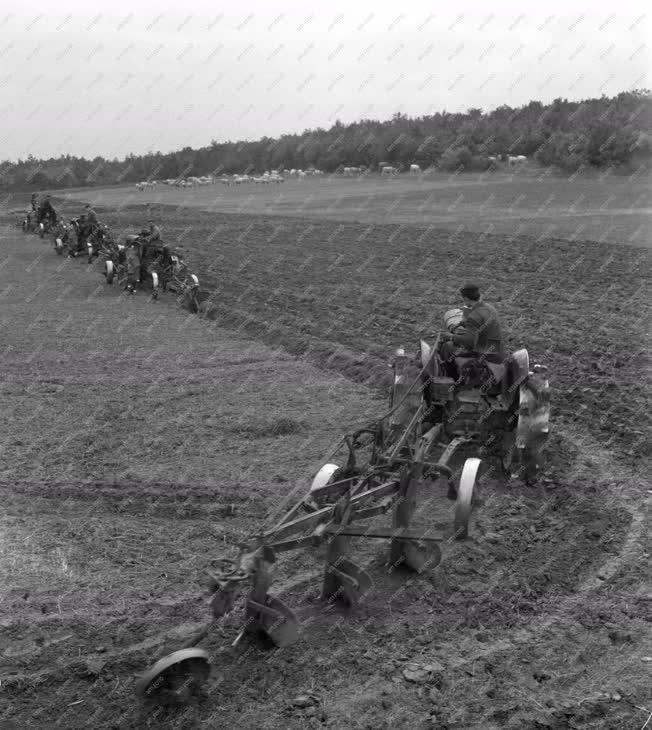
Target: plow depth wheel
[(175, 678), (464, 501), (58, 246), (155, 285), (109, 272), (326, 475)]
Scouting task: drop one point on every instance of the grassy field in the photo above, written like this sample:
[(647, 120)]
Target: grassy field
[(140, 442), (608, 209)]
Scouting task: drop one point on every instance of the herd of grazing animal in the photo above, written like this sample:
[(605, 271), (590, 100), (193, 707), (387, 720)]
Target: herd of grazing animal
[(189, 182), (276, 176)]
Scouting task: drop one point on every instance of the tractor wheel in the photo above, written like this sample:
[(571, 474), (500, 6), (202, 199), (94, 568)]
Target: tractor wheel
[(155, 285), (58, 246), (175, 678), (90, 254), (109, 271), (465, 493), (41, 230)]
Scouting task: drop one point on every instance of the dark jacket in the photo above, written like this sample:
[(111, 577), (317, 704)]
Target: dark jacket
[(47, 211), (482, 332), (91, 217), (154, 234)]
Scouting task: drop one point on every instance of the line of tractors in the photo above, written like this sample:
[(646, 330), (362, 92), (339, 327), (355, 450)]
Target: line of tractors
[(137, 262)]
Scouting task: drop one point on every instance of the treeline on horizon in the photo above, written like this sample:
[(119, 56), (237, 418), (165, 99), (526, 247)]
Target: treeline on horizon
[(567, 135)]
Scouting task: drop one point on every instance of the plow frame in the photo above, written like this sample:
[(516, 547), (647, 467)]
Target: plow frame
[(329, 514)]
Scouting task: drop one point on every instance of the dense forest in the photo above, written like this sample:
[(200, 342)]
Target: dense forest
[(568, 135)]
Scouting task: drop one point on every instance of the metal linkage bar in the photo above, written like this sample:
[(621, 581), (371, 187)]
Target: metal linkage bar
[(380, 509), (325, 514), (401, 442), (442, 469), (401, 533)]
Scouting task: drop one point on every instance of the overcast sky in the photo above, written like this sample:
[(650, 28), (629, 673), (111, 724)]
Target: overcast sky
[(119, 77)]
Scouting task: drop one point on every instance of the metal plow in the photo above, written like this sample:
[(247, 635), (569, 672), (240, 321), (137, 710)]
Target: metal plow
[(331, 513)]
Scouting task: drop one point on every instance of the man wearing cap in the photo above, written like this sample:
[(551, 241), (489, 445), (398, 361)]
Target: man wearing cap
[(476, 344), (154, 233), (480, 332), (90, 221), (147, 237), (47, 212), (91, 216)]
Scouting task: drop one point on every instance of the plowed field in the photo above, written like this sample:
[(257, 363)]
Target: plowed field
[(140, 442)]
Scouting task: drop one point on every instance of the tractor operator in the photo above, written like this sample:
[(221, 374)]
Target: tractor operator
[(154, 233), (79, 226), (90, 221), (480, 333), (88, 224), (46, 212), (148, 236), (477, 340), (91, 217)]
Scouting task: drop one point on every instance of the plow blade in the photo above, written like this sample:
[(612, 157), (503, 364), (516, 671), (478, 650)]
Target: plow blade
[(222, 602), (418, 557), (345, 582), (275, 619)]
